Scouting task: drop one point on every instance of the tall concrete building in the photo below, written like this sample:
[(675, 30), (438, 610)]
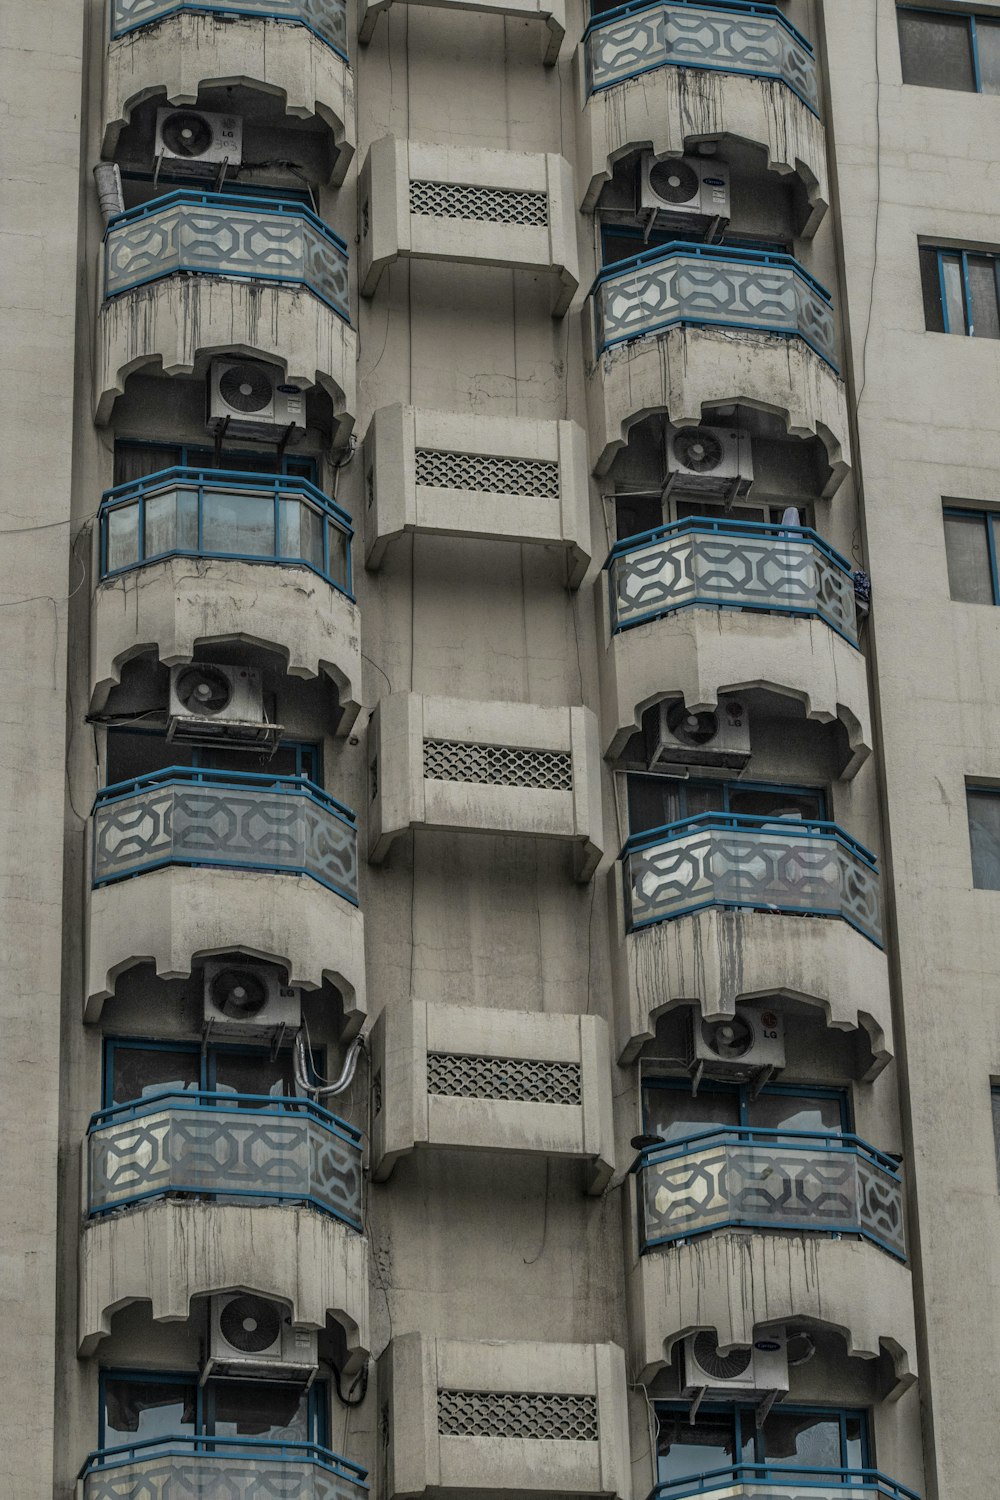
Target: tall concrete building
[(500, 881)]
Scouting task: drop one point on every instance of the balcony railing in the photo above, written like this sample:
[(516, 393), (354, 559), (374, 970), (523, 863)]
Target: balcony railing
[(261, 518), (327, 19), (730, 565), (229, 819), (744, 1178), (223, 234), (737, 860), (785, 1482), (225, 1146), (715, 286), (180, 1467), (725, 36)]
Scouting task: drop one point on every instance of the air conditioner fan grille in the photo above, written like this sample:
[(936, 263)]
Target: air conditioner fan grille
[(720, 1366), (250, 1324), (186, 133), (246, 388), (674, 181)]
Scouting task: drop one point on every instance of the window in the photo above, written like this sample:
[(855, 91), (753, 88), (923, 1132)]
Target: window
[(138, 1407), (135, 1069), (970, 544), (961, 292), (671, 1110), (622, 241), (995, 1099), (137, 460), (654, 801), (947, 51), (136, 752), (984, 836), (797, 1437)]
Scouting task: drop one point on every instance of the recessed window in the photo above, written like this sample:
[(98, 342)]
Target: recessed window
[(970, 544), (995, 1096), (961, 291), (984, 836), (947, 51), (804, 1438)]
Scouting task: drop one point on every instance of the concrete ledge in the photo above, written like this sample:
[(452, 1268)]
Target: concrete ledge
[(181, 54), (407, 726), (685, 369), (670, 108), (702, 652), (174, 915), (168, 1252), (182, 603), (737, 1282), (716, 958), (417, 1112), (552, 12), (470, 233), (421, 1458), (170, 323), (398, 502)]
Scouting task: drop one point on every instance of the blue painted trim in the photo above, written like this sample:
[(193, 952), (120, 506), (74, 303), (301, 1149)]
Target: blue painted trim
[(242, 1195), (792, 911), (208, 1099), (718, 604), (688, 322), (266, 1450), (812, 828), (711, 252), (193, 863), (229, 10), (233, 780), (783, 1476), (696, 67), (282, 206), (735, 7), (843, 1143), (761, 529)]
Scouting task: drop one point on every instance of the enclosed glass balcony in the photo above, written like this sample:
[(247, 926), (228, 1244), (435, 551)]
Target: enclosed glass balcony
[(741, 1177), (712, 286), (223, 234), (237, 820), (725, 36), (224, 1145), (179, 1467), (730, 565), (785, 1482), (327, 19), (805, 867), (212, 513)]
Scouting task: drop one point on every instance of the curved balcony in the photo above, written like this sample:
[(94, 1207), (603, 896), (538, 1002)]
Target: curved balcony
[(169, 1468), (242, 521), (188, 861), (739, 1177), (552, 12), (195, 271), (326, 19), (785, 1482), (754, 79), (225, 1146)]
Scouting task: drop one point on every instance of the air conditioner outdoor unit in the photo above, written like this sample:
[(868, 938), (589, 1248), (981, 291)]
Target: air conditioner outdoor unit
[(761, 1368), (684, 190), (252, 1335), (718, 740), (197, 142), (714, 461), (248, 999), (738, 1046), (219, 705), (252, 400)]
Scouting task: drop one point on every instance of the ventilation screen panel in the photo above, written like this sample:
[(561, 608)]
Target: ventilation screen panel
[(518, 1079), (438, 469), (455, 200), (498, 765), (517, 1414)]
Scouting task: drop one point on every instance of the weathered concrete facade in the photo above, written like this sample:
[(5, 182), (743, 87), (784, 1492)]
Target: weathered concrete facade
[(475, 595)]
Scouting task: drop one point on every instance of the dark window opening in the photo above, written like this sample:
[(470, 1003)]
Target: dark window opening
[(961, 292), (655, 801), (984, 836), (947, 51)]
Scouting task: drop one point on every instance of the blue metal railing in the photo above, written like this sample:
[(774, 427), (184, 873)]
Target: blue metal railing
[(765, 529), (261, 1450), (713, 252), (326, 19), (865, 1483), (226, 234), (735, 7), (123, 510), (200, 1099), (795, 1140), (185, 815)]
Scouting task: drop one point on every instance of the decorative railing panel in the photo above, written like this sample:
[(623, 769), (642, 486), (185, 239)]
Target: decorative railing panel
[(769, 1179), (731, 564), (785, 1482), (327, 18), (651, 34), (202, 1468), (227, 1146), (248, 822), (213, 513), (217, 234), (717, 287), (767, 864)]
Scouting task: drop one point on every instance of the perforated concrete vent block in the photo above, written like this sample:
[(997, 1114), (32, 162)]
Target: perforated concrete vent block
[(468, 205), (453, 474), (477, 1415), (552, 12), (492, 1080), (509, 768)]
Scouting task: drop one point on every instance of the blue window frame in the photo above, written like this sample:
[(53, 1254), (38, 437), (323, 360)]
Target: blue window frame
[(671, 1110), (983, 804), (136, 1066), (167, 181), (995, 1102), (724, 1436), (136, 1405), (970, 544), (657, 801), (134, 751), (949, 50), (138, 460), (961, 291), (620, 242)]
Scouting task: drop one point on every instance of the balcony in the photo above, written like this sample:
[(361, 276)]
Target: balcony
[(755, 80), (167, 1468), (196, 271), (552, 12), (326, 19), (785, 1482), (188, 861), (224, 1146), (255, 534)]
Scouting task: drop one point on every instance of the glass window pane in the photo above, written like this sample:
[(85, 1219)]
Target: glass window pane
[(139, 1071), (136, 460), (988, 39), (253, 1073), (970, 578), (856, 1451), (161, 523), (300, 532), (123, 536), (954, 293), (930, 286), (139, 1409), (807, 1440), (776, 803), (984, 837), (238, 524), (936, 51), (132, 753), (794, 1112), (273, 1412), (338, 554), (995, 1094), (984, 317), (686, 1452), (676, 1113)]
